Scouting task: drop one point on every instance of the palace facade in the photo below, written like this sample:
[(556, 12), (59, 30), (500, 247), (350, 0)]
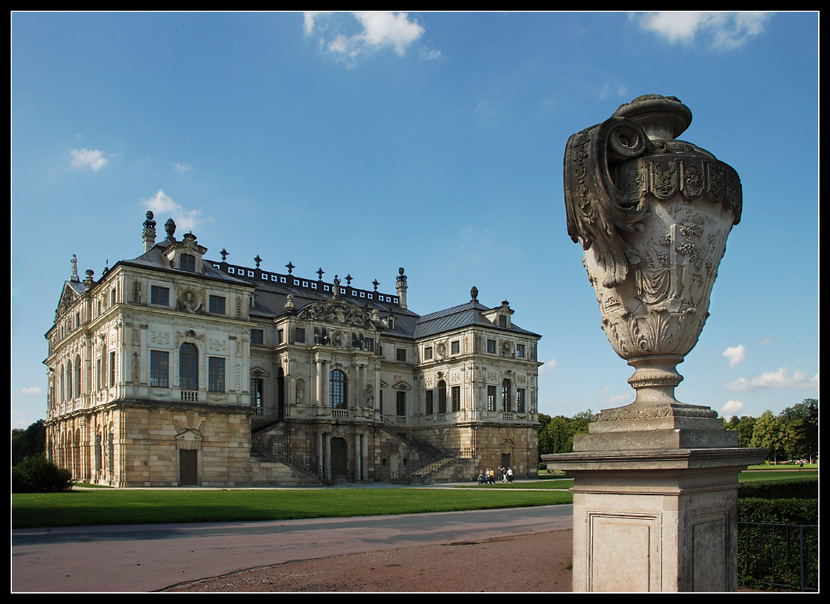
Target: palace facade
[(173, 370)]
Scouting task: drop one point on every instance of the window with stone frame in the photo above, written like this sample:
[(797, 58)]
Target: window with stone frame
[(216, 374), (216, 304), (520, 400), (400, 403), (442, 396), (159, 368), (337, 389), (159, 296), (491, 398), (188, 367)]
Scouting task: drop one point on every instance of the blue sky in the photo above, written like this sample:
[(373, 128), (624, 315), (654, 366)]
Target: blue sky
[(360, 143)]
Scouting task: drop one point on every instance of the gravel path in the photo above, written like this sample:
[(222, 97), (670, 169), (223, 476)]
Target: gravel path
[(538, 562)]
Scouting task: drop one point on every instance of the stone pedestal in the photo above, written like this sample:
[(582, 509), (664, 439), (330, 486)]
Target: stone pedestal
[(655, 501)]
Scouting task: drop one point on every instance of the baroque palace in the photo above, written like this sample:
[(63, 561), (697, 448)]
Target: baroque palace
[(175, 370)]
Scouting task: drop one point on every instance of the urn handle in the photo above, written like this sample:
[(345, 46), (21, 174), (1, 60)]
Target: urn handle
[(598, 213)]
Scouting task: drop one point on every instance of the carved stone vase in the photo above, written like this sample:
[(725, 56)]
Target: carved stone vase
[(653, 214)]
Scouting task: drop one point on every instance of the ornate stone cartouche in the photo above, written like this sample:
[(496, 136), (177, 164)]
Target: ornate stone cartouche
[(653, 214)]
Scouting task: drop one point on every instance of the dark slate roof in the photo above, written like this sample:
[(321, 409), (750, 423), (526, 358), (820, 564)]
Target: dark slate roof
[(457, 317), (272, 290)]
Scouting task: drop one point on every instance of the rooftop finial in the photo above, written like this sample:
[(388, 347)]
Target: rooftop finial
[(401, 287), (170, 228), (149, 233), (73, 271)]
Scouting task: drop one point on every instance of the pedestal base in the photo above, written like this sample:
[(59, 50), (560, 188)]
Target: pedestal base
[(655, 520)]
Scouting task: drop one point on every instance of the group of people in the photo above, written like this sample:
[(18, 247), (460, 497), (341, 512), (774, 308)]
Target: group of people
[(488, 476)]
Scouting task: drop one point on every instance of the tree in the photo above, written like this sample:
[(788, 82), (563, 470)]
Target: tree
[(802, 429), (746, 428), (769, 433), (28, 442), (556, 434)]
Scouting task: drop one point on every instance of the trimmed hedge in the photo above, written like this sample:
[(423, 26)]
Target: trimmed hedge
[(780, 489), (781, 511), (778, 535)]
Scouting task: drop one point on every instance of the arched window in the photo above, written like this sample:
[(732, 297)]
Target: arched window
[(188, 367), (442, 396), (505, 395), (69, 380), (337, 389)]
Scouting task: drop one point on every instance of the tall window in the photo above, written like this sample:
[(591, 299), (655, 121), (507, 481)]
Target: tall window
[(491, 398), (216, 374), (69, 380), (400, 403), (442, 396), (505, 395), (520, 400), (256, 394), (456, 398), (77, 377), (112, 368), (430, 409), (337, 389), (188, 367), (159, 368)]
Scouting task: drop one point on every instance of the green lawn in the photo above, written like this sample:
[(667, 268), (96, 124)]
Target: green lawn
[(146, 506), (140, 506)]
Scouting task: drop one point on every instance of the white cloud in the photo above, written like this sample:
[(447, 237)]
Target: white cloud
[(619, 399), (181, 168), (162, 206), (378, 30), (732, 408), (547, 367), (87, 158), (31, 390), (735, 354), (723, 30), (774, 380)]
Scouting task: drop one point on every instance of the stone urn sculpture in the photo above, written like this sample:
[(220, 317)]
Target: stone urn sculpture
[(653, 214)]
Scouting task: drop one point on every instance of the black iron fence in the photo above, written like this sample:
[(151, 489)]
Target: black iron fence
[(778, 557)]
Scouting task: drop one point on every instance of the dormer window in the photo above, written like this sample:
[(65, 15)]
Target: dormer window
[(187, 262), (502, 321)]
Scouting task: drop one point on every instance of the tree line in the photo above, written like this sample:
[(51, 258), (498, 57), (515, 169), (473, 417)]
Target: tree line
[(792, 434)]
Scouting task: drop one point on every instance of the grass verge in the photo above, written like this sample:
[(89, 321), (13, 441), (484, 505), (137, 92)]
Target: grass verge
[(150, 506)]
